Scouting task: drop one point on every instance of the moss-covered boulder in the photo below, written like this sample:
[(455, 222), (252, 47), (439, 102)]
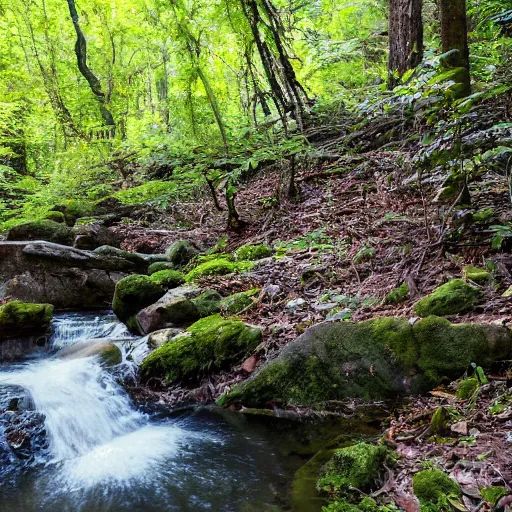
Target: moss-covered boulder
[(451, 298), (212, 344), (181, 252), (375, 359), (168, 278), (353, 467), (24, 319), (432, 487), (476, 274), (73, 209), (253, 252), (238, 301), (159, 266), (47, 230), (56, 217), (218, 267), (208, 303), (134, 293), (137, 259)]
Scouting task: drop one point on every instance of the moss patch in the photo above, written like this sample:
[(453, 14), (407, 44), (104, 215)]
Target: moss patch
[(238, 301), (493, 494), (476, 274), (181, 252), (73, 209), (47, 230), (208, 303), (397, 295), (212, 344), (218, 267), (56, 217), (432, 486), (354, 467), (158, 266), (451, 298), (24, 319), (466, 388), (168, 278), (134, 293), (252, 252)]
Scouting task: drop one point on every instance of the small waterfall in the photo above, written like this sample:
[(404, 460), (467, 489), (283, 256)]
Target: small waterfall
[(70, 328)]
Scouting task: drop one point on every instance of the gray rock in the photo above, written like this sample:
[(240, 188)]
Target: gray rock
[(92, 236), (108, 352), (158, 338)]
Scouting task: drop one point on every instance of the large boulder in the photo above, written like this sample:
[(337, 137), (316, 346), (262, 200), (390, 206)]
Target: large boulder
[(22, 325), (24, 319), (377, 359), (175, 308), (108, 353), (59, 275), (132, 294), (209, 345), (47, 230), (139, 261)]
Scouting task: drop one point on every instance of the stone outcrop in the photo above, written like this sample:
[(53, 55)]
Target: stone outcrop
[(63, 276)]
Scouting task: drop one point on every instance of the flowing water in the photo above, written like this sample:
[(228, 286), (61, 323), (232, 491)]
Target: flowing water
[(105, 455)]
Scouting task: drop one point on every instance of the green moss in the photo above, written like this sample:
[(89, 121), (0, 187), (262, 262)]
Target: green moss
[(493, 494), (149, 191), (208, 303), (398, 295), (158, 266), (181, 252), (451, 298), (238, 301), (252, 252), (367, 504), (47, 230), (73, 209), (213, 343), (484, 217), (218, 267), (440, 420), (24, 319), (432, 486), (478, 275), (466, 388), (134, 293), (168, 278), (56, 217), (354, 467)]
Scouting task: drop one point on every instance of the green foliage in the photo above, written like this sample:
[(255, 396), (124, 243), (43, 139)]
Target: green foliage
[(397, 295), (252, 252), (218, 267), (493, 494)]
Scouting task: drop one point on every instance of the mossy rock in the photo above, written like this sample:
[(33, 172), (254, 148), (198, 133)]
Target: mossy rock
[(353, 467), (56, 217), (451, 298), (397, 295), (253, 252), (168, 279), (159, 266), (181, 252), (432, 487), (442, 418), (212, 344), (108, 354), (47, 230), (135, 258), (476, 274), (73, 209), (134, 293), (218, 267), (208, 303), (24, 319), (466, 388), (238, 301), (376, 359)]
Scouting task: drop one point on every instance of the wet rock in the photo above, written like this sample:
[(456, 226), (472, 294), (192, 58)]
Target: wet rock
[(19, 319), (212, 344), (158, 338), (108, 353), (174, 312)]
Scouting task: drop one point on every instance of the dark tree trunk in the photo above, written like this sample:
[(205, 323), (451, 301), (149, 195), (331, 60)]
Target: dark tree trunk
[(234, 221), (405, 38), (92, 80), (454, 36)]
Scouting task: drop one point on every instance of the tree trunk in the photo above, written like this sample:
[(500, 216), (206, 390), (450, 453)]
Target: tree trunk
[(405, 38), (454, 36), (234, 221), (92, 80)]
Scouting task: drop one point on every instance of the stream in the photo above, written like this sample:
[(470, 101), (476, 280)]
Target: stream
[(103, 454)]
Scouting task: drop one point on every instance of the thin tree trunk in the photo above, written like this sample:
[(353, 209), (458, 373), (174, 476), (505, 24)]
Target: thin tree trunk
[(405, 38), (92, 80), (454, 36)]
